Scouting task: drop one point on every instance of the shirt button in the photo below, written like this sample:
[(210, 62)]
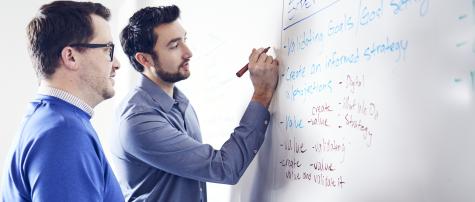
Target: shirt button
[(201, 189), (255, 151), (266, 122)]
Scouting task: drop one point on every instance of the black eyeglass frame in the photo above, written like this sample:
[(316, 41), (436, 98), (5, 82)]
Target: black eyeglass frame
[(97, 45)]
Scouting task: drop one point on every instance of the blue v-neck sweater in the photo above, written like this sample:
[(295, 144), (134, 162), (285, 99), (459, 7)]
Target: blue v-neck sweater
[(57, 156)]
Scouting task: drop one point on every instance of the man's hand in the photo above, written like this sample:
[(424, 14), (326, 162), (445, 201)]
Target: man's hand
[(264, 71)]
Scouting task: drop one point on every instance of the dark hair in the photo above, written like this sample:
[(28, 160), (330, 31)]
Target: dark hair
[(138, 35), (57, 25)]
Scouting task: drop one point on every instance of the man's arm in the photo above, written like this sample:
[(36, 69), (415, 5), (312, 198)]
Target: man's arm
[(149, 137), (62, 165)]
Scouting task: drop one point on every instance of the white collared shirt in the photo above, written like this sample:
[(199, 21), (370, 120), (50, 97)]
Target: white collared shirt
[(67, 97)]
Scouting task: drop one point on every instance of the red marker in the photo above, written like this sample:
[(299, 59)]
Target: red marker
[(244, 69)]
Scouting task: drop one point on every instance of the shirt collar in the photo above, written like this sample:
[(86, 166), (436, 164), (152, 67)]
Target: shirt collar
[(158, 95), (67, 97)]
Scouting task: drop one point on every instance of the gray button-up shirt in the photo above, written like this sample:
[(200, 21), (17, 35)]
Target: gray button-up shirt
[(159, 153)]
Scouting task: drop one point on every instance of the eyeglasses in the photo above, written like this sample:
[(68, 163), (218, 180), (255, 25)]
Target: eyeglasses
[(97, 45)]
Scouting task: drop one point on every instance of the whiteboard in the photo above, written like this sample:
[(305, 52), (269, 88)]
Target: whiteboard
[(375, 103)]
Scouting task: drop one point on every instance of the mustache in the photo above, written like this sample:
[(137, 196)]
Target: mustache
[(184, 61)]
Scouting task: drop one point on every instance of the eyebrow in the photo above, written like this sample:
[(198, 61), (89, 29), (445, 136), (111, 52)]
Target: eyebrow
[(175, 40)]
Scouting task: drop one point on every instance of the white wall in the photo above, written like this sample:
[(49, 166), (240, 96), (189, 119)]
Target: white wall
[(17, 79)]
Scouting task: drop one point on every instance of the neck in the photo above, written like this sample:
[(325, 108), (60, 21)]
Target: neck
[(73, 89), (165, 86)]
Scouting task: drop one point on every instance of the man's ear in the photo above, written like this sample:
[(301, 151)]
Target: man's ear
[(144, 59), (68, 58)]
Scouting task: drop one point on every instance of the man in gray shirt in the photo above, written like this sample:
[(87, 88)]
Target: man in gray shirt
[(159, 151)]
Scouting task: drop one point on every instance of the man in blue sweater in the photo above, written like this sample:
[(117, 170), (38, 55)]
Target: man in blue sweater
[(159, 150), (57, 155)]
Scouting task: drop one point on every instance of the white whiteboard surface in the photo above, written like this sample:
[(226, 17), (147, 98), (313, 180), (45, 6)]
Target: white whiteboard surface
[(375, 103)]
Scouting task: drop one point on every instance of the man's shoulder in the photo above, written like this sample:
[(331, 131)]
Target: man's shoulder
[(55, 120), (50, 122), (53, 114), (137, 101), (60, 114), (51, 129)]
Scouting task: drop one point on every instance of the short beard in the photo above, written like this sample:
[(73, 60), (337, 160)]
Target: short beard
[(170, 77), (167, 76)]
